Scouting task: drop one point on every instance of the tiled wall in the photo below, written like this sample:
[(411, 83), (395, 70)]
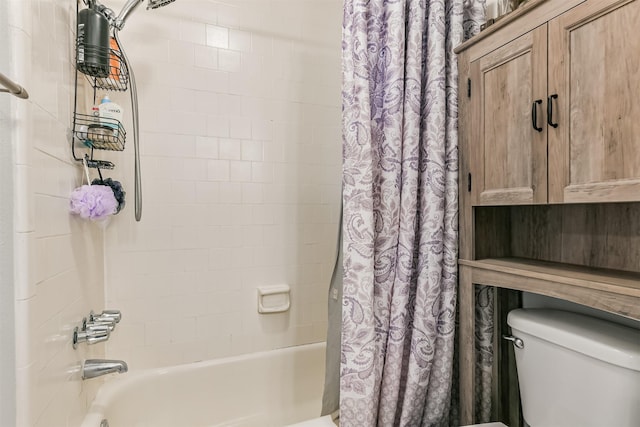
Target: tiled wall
[(240, 140), (7, 321), (58, 259), (241, 166)]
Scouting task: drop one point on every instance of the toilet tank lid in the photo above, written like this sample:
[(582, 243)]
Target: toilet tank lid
[(597, 338)]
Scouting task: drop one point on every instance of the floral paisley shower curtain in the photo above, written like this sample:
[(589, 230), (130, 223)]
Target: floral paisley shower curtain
[(400, 208)]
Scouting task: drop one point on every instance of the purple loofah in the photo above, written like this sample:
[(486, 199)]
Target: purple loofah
[(93, 201)]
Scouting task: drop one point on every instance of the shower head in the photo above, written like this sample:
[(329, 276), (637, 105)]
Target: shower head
[(154, 4), (131, 5)]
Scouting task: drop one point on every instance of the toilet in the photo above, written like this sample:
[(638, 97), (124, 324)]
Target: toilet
[(576, 370), (573, 371)]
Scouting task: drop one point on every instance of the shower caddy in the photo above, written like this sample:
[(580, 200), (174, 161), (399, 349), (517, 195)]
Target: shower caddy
[(90, 129)]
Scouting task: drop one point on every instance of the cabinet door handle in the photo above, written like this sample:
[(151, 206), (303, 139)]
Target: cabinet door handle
[(550, 110), (534, 115)]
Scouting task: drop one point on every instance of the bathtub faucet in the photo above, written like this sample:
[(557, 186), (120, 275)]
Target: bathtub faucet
[(96, 367)]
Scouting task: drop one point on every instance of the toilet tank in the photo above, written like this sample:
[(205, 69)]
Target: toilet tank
[(576, 370)]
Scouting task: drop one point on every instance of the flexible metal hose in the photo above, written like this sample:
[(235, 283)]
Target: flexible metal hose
[(136, 130)]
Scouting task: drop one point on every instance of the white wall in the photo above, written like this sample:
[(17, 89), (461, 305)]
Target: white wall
[(240, 119), (58, 259)]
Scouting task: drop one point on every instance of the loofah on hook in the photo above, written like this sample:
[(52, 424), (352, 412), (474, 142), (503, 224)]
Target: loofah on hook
[(117, 189), (93, 202)]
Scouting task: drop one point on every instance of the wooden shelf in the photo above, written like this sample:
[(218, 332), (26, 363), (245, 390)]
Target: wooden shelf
[(614, 291)]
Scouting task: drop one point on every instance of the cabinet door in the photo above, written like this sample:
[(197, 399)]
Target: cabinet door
[(509, 163), (594, 68)]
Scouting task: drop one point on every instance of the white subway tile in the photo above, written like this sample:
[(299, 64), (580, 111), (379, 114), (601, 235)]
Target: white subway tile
[(157, 332), (240, 214), (262, 129), (206, 57), (24, 200), (217, 36), (255, 64), (54, 255), (181, 192), (181, 52), (239, 40), (218, 280), (214, 325), (252, 235), (252, 150), (219, 258), (221, 346), (193, 32), (25, 314), (211, 80), (239, 127), (263, 215), (183, 330), (181, 99), (206, 147), (218, 215), (261, 44), (229, 60), (188, 214), (27, 395), (240, 171), (24, 265), (230, 192), (218, 126), (207, 192), (230, 149), (252, 193), (262, 172), (194, 170), (230, 15), (273, 151), (187, 238), (23, 133), (229, 236), (231, 105), (207, 102), (218, 170)]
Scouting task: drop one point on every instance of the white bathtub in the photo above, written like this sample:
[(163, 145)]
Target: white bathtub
[(267, 389)]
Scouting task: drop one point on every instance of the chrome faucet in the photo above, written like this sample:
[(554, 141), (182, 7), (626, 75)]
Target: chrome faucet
[(96, 367)]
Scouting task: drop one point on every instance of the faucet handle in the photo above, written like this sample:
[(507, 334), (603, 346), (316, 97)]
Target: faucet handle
[(89, 336), (106, 316), (98, 326)]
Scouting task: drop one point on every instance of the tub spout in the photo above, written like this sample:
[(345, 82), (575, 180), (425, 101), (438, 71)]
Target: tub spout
[(96, 367)]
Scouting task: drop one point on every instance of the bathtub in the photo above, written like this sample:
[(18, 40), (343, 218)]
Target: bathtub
[(273, 388)]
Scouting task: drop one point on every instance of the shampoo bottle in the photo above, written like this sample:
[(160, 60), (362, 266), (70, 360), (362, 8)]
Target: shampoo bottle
[(110, 114)]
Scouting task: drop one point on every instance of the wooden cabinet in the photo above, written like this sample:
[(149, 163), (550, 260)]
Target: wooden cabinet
[(549, 143), (594, 68), (510, 159), (554, 112)]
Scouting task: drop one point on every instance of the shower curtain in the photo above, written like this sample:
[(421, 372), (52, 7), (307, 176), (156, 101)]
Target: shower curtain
[(400, 209)]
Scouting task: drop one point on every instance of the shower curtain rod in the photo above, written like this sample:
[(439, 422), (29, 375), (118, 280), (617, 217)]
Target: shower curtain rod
[(12, 87)]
